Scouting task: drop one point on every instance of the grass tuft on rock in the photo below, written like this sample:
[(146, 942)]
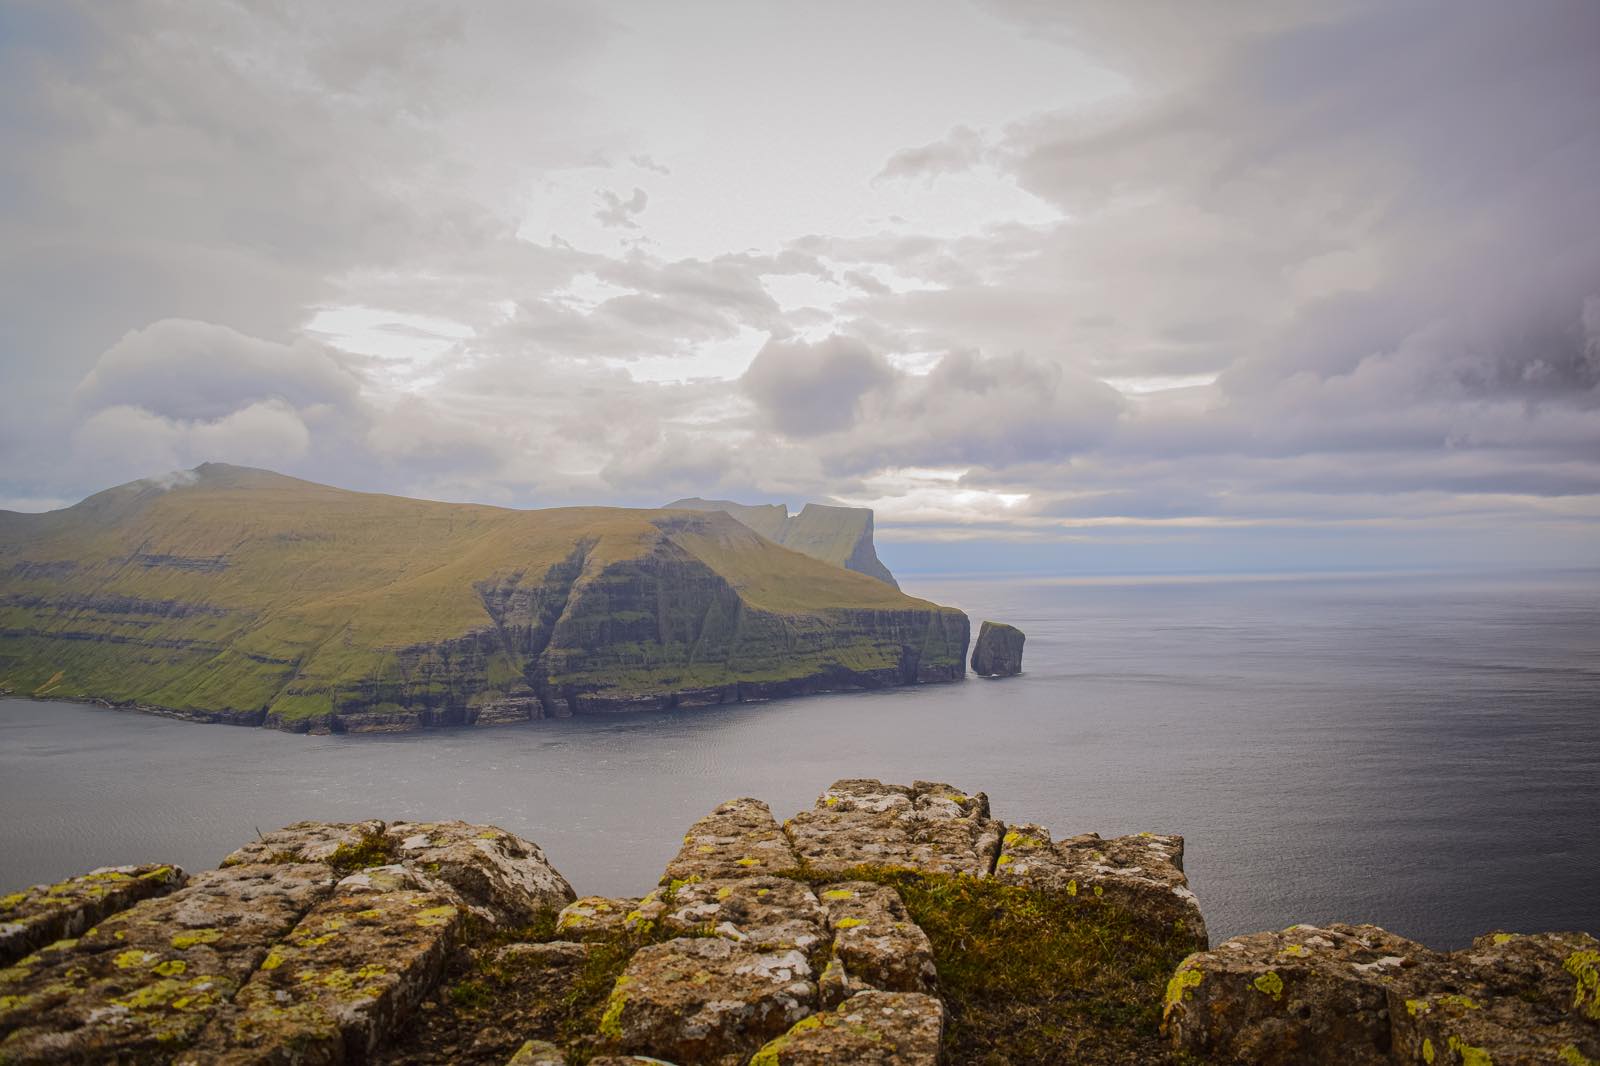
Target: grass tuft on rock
[(376, 848)]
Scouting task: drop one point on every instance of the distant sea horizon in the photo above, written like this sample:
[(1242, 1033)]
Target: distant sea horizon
[(1411, 747)]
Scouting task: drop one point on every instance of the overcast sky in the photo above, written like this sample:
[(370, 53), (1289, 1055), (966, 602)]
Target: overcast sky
[(1046, 283)]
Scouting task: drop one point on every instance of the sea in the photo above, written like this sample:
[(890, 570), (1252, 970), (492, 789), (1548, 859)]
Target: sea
[(1421, 751)]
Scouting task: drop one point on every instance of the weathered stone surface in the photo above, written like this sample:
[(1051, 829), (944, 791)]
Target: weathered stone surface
[(43, 914), (738, 839), (1142, 873), (1517, 999), (870, 1029), (627, 1060), (547, 954), (706, 1000), (143, 982), (928, 827), (875, 941), (998, 652), (342, 979), (305, 842), (768, 913), (538, 1053), (494, 870), (599, 917), (1361, 995)]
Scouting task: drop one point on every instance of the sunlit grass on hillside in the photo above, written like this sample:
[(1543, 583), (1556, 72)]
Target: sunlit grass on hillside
[(245, 590)]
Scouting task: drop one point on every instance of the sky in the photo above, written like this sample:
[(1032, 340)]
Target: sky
[(1049, 285)]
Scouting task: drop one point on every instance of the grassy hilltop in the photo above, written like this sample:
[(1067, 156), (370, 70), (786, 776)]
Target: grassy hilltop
[(228, 593)]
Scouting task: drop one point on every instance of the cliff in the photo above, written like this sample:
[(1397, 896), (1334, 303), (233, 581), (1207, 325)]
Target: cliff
[(838, 535), (239, 595), (889, 926)]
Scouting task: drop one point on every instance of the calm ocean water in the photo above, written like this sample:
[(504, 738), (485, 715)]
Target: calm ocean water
[(1421, 752)]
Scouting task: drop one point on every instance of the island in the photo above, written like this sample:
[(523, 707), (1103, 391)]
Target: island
[(231, 594)]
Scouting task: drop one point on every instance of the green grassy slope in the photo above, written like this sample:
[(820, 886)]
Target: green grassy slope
[(246, 595), (838, 535)]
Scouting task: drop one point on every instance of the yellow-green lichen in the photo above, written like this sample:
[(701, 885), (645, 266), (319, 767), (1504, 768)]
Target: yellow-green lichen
[(838, 893), (10, 902), (1504, 938), (746, 861), (611, 1021), (1270, 984), (1585, 967), (1470, 1055), (1178, 988), (170, 968), (1072, 887), (435, 916), (1427, 1050), (185, 941), (1571, 1056), (133, 957), (847, 923)]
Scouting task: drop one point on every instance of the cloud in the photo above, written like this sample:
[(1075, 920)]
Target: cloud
[(807, 389), (189, 370), (960, 149), (1341, 258), (617, 213)]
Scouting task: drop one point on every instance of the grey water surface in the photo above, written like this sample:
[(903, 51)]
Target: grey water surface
[(1418, 751)]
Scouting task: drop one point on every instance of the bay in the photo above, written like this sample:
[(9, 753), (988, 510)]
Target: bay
[(1421, 751)]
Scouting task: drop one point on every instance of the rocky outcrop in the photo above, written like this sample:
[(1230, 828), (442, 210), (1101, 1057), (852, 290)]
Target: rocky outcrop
[(1141, 874), (838, 535), (871, 1029), (244, 597), (1361, 996), (890, 925), (998, 651), (43, 914), (927, 827)]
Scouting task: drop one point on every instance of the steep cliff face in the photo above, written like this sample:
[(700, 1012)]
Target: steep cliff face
[(243, 596), (838, 535)]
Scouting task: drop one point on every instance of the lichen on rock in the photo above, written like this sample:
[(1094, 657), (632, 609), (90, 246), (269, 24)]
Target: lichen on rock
[(1142, 873), (927, 827), (43, 914), (872, 1028)]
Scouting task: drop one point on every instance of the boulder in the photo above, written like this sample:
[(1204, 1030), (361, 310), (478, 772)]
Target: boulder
[(1142, 874), (706, 1000), (1361, 995), (998, 651), (538, 1053), (599, 917), (927, 827), (147, 979), (875, 943), (309, 842), (342, 979), (738, 839), (766, 913), (500, 878), (496, 872), (870, 1029), (43, 914)]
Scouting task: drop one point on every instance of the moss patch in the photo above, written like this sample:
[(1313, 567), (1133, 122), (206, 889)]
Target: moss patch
[(1032, 976)]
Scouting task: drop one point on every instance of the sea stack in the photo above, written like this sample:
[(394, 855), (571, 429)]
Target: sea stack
[(998, 652)]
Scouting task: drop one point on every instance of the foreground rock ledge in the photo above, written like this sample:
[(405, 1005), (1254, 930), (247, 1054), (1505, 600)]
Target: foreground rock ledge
[(861, 931)]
